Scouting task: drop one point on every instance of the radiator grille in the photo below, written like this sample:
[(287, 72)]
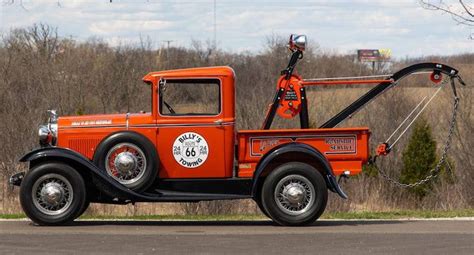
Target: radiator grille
[(84, 146)]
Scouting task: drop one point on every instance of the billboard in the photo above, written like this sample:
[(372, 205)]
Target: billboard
[(373, 55)]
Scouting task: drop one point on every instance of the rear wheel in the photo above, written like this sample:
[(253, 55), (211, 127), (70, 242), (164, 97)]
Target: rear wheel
[(258, 201), (294, 193), (52, 194)]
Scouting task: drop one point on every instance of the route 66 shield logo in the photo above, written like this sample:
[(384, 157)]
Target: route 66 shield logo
[(190, 150)]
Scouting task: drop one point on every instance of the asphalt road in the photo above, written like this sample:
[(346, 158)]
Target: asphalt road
[(242, 237)]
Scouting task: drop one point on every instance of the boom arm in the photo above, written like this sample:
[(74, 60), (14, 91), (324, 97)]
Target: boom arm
[(290, 98), (386, 84)]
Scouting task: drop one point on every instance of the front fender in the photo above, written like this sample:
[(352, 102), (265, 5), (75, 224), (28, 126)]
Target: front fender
[(67, 155), (303, 149)]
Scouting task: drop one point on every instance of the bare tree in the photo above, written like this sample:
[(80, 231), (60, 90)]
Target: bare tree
[(461, 11), (11, 2)]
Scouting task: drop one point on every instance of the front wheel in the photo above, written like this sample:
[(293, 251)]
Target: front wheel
[(294, 194), (52, 194)]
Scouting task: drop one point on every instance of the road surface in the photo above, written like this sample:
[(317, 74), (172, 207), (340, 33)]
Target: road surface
[(240, 237)]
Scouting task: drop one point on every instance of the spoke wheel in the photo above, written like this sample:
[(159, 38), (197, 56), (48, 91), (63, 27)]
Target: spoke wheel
[(52, 194), (294, 194), (129, 158), (126, 163)]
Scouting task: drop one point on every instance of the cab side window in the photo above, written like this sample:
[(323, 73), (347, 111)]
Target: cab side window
[(190, 97)]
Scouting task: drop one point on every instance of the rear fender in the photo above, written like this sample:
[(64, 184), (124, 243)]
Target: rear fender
[(304, 150), (84, 166)]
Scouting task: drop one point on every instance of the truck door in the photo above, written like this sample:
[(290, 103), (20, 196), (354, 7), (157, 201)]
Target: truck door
[(190, 135)]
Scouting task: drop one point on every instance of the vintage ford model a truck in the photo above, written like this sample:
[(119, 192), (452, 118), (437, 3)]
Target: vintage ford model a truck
[(181, 153)]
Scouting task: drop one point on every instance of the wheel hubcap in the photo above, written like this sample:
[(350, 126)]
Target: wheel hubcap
[(52, 194), (294, 194), (126, 163)]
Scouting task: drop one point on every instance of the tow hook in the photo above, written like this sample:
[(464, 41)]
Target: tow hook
[(15, 180)]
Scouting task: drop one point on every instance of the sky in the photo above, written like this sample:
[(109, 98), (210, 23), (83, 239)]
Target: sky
[(244, 26)]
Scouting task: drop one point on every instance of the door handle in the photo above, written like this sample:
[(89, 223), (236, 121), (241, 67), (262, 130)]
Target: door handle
[(219, 121)]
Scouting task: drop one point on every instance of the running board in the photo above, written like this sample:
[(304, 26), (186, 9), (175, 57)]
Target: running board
[(177, 196), (188, 190)]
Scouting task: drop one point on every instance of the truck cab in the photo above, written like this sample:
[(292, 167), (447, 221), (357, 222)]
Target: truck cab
[(195, 118)]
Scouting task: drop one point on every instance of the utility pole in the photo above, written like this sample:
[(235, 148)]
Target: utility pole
[(167, 50), (168, 43), (215, 26)]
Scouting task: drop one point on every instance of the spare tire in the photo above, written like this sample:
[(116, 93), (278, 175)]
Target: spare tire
[(129, 158)]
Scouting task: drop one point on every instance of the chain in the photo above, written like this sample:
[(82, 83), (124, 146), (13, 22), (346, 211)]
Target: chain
[(434, 172)]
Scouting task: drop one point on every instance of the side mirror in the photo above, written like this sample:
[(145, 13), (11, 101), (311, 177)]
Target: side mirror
[(297, 42)]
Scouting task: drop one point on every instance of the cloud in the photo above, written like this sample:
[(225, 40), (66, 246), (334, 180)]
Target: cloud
[(342, 25), (113, 27)]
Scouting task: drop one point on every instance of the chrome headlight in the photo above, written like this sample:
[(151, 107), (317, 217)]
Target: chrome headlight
[(54, 130), (297, 42), (45, 135), (48, 133)]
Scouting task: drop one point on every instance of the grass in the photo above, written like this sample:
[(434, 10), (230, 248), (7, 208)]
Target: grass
[(400, 214), (12, 216), (236, 217)]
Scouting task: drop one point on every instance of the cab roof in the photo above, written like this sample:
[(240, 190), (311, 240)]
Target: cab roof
[(213, 71)]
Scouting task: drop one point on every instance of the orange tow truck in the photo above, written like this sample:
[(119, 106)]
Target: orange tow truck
[(187, 149)]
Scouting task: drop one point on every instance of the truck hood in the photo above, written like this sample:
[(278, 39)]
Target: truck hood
[(103, 120)]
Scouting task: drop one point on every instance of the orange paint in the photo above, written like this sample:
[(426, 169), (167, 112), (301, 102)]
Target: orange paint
[(343, 82), (345, 148)]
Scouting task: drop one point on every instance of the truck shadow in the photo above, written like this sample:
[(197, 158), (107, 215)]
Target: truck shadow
[(321, 223)]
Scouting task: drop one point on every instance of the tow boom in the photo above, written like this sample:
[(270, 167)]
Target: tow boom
[(290, 98)]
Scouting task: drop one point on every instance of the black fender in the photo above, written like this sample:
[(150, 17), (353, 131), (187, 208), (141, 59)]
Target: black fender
[(303, 149), (114, 189)]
